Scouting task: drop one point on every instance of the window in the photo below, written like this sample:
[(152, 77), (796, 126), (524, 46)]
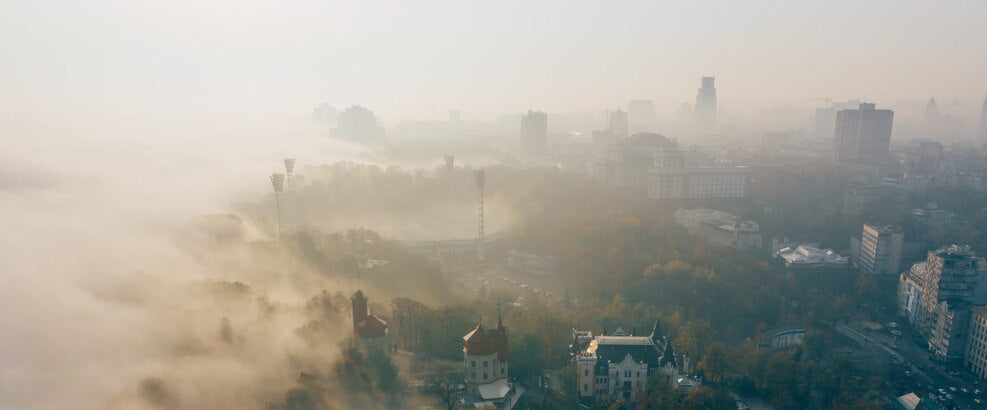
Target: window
[(627, 375), (585, 372), (484, 363), (501, 371), (484, 376), (585, 387)]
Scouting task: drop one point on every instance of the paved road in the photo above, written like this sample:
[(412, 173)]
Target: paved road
[(918, 364)]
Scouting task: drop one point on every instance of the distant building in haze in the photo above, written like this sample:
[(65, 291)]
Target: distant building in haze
[(616, 132), (862, 135), (618, 123), (626, 164), (681, 174), (982, 129), (640, 116), (357, 124), (825, 122), (706, 107), (325, 113), (534, 134)]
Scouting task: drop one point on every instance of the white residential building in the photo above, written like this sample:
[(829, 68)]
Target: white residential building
[(880, 250)]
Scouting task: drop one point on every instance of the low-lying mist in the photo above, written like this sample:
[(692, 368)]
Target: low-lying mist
[(129, 281)]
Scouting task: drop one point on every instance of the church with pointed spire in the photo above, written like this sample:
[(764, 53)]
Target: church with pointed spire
[(617, 366), (366, 325), (485, 359)]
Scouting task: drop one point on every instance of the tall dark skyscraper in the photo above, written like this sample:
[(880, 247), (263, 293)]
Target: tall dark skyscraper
[(534, 133), (982, 129), (706, 107), (862, 135)]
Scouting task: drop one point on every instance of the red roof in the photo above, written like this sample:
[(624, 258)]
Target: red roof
[(485, 342), (371, 327)]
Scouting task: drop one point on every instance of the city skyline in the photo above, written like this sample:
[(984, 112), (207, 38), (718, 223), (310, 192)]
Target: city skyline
[(186, 58)]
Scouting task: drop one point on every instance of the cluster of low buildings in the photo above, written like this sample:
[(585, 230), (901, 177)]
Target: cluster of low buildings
[(611, 367)]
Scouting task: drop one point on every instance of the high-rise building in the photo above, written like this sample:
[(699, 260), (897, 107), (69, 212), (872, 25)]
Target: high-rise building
[(358, 124), (534, 133), (706, 107), (325, 113), (937, 295), (880, 250), (982, 130), (976, 347), (640, 116), (862, 135), (825, 122), (618, 123)]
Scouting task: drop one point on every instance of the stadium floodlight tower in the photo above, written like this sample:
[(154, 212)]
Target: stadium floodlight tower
[(289, 168), (277, 181), (481, 181)]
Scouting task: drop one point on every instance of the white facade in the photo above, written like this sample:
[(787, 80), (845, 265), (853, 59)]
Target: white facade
[(976, 346), (910, 292), (702, 182), (483, 369), (880, 250)]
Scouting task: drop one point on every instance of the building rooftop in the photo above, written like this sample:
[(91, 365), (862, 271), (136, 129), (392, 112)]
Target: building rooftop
[(624, 340), (808, 256), (495, 390)]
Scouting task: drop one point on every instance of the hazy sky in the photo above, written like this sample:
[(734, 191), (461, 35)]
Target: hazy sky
[(117, 58)]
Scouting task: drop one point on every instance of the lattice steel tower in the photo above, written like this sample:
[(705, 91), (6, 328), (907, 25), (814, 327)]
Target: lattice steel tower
[(481, 180), (277, 181)]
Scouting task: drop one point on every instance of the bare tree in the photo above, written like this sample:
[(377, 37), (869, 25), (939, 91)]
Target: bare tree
[(446, 386)]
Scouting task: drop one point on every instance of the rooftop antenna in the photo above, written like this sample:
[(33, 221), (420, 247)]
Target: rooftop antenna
[(481, 180), (277, 181)]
